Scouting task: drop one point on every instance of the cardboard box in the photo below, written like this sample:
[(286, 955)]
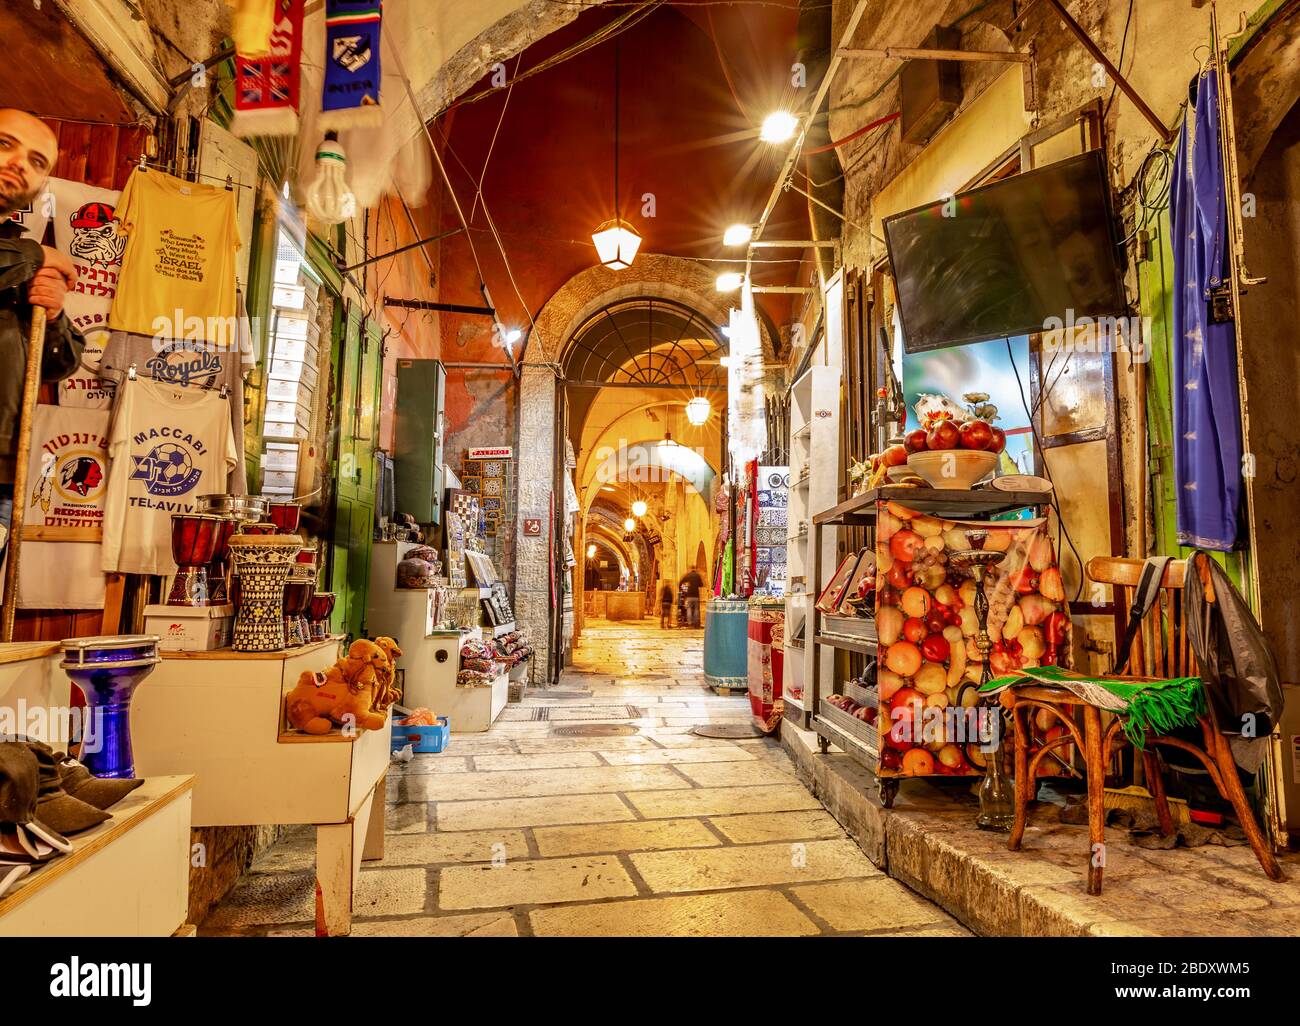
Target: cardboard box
[(190, 628)]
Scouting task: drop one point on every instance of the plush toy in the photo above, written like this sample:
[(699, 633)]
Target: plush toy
[(387, 692), (343, 695)]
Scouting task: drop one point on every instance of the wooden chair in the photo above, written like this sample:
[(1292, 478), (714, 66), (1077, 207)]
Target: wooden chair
[(1160, 651)]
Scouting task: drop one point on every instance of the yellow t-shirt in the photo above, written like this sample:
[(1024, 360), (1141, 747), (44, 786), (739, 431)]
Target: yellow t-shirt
[(178, 270)]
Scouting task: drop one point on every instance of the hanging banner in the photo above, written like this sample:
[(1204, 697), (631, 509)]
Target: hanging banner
[(84, 230), (267, 86), (350, 98)]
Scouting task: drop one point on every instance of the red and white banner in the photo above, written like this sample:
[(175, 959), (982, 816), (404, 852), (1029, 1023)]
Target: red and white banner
[(267, 87)]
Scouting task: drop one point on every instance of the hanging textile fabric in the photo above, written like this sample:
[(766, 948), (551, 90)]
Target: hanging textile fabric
[(350, 98), (267, 78), (1207, 416)]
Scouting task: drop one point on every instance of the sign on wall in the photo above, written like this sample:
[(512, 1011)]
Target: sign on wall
[(493, 452)]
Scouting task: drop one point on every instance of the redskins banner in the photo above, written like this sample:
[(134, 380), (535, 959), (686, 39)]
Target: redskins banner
[(84, 230), (67, 481)]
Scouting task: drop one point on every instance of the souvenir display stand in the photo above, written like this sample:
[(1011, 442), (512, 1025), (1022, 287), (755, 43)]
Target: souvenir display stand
[(856, 737), (468, 710), (814, 486), (136, 864), (220, 716)]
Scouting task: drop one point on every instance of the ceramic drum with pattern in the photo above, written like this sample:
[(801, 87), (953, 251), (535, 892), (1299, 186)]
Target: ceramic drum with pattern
[(263, 562)]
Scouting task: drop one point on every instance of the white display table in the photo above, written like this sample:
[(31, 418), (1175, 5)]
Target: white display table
[(432, 684), (31, 680), (220, 716), (127, 877)]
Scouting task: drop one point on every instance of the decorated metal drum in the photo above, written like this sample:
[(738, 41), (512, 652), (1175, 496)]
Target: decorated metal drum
[(285, 516), (196, 538), (108, 670), (263, 562), (726, 657), (319, 610), (766, 635)]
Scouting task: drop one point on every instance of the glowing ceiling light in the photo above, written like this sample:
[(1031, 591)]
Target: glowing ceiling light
[(511, 335), (591, 551), (616, 244), (737, 235), (639, 508), (779, 127), (730, 281), (667, 441), (629, 525), (698, 410)]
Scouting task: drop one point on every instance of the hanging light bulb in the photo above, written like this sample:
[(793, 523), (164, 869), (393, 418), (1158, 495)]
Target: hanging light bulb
[(591, 551), (698, 410), (328, 198), (738, 235), (629, 525), (639, 508), (729, 281), (778, 127)]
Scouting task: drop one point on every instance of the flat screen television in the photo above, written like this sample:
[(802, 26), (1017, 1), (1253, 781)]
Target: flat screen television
[(1002, 259)]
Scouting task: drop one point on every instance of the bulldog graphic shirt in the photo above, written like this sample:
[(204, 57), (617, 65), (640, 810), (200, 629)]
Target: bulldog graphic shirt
[(84, 229), (167, 446)]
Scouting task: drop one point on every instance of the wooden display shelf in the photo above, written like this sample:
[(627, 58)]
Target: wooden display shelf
[(127, 877), (18, 651), (324, 648), (860, 511)]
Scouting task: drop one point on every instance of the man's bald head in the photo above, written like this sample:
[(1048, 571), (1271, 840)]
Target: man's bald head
[(28, 150)]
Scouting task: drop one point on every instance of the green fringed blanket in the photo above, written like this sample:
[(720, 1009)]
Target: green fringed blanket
[(1157, 706)]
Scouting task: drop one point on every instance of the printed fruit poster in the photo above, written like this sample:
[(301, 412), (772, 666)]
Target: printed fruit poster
[(929, 663)]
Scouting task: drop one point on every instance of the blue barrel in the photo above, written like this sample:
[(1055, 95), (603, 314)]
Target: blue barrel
[(726, 644)]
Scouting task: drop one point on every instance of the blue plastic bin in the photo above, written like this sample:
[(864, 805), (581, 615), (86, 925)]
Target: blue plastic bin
[(423, 740)]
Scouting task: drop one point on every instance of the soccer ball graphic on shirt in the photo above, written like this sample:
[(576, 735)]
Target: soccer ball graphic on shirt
[(166, 470)]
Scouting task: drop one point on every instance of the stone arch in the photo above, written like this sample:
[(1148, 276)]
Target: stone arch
[(653, 275)]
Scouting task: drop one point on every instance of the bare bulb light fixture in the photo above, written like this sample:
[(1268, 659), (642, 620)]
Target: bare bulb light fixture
[(329, 199), (778, 127), (591, 552), (729, 281), (639, 508), (629, 525), (737, 235), (615, 241)]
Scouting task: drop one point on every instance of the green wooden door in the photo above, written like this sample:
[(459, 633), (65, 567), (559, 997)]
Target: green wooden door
[(358, 359)]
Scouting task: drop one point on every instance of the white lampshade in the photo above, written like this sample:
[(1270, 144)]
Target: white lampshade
[(698, 410), (616, 244), (639, 507)]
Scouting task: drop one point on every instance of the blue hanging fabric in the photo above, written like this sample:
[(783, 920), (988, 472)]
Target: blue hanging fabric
[(1207, 412)]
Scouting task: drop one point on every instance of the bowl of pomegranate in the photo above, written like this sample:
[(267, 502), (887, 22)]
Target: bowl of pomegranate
[(954, 456)]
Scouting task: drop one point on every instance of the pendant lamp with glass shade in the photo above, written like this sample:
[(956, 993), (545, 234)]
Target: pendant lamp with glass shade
[(616, 242), (698, 410)]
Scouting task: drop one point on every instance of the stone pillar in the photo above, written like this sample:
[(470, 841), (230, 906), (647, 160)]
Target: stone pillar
[(535, 455)]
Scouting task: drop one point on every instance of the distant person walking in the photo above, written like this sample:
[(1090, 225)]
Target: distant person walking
[(691, 586), (666, 606)]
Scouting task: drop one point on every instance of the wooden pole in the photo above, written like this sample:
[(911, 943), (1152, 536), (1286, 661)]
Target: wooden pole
[(31, 387)]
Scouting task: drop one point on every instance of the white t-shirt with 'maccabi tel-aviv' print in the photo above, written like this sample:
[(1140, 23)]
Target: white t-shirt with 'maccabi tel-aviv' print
[(167, 446)]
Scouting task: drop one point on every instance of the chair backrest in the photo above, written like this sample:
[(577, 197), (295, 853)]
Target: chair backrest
[(1161, 647)]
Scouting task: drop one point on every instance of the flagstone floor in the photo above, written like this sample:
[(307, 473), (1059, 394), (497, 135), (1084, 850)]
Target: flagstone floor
[(518, 831)]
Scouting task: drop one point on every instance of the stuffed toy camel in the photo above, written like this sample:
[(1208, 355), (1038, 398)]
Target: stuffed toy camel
[(344, 695), (387, 692)]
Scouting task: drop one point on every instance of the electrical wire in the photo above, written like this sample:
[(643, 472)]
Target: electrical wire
[(1060, 519), (837, 143), (1123, 44)]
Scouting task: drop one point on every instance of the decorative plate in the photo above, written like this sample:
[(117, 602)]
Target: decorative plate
[(493, 486), (494, 468)]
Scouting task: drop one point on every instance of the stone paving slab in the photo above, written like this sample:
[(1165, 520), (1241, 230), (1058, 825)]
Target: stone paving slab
[(727, 914), (930, 843)]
